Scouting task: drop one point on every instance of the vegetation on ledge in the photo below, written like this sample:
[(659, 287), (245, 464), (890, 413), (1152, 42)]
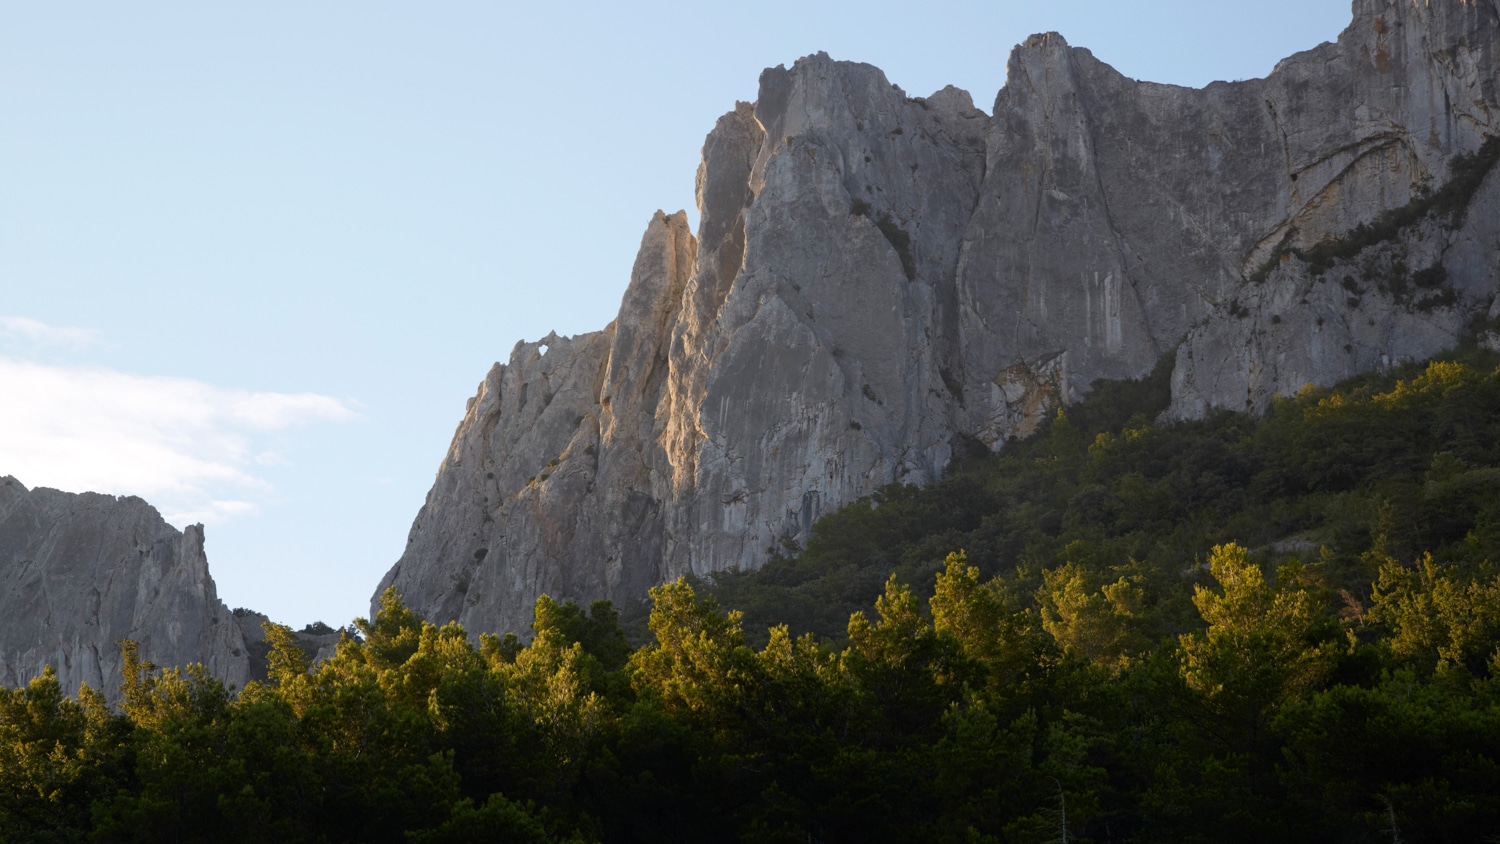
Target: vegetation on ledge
[(1449, 202)]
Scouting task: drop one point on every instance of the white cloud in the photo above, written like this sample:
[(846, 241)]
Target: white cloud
[(213, 512), (272, 458), (189, 448), (274, 411), (31, 335)]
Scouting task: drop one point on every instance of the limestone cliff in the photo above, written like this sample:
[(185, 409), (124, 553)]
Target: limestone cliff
[(877, 278), (78, 573)]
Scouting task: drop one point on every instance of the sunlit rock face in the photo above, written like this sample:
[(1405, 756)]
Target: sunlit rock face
[(876, 278), (79, 573)]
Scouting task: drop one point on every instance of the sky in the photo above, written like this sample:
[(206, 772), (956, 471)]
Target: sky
[(254, 258)]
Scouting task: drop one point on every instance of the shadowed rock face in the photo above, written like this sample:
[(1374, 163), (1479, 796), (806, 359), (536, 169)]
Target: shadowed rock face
[(877, 276), (78, 573)]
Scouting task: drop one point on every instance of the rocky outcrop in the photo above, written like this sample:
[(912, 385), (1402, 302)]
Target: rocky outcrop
[(877, 278), (79, 573), (1366, 128), (1404, 298), (318, 641)]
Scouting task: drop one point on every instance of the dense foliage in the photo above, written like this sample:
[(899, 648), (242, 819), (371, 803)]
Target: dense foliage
[(1237, 629)]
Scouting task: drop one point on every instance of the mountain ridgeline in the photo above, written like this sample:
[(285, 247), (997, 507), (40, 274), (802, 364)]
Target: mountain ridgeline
[(879, 283)]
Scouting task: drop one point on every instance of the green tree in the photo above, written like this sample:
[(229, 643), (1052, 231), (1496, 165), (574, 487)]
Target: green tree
[(1095, 622), (548, 686), (180, 719), (698, 654), (1437, 617), (55, 757), (394, 634), (598, 630), (986, 622), (1263, 646)]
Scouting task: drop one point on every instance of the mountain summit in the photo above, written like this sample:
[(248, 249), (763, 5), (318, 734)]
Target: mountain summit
[(878, 280)]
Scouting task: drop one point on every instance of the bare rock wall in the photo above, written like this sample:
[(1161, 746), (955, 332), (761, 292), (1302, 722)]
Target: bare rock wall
[(80, 572)]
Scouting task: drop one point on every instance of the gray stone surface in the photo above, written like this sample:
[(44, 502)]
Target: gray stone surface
[(1365, 125), (319, 641), (79, 573), (877, 277)]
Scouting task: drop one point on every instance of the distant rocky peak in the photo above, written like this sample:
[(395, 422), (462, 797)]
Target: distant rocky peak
[(80, 572)]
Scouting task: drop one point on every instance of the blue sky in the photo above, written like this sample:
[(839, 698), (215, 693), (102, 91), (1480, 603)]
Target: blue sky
[(254, 258)]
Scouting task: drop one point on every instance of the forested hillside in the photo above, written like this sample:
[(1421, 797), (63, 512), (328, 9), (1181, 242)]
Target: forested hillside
[(1396, 465), (1237, 629)]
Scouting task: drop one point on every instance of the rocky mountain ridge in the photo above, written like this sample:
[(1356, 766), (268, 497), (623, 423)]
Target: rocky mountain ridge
[(80, 572), (878, 280)]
